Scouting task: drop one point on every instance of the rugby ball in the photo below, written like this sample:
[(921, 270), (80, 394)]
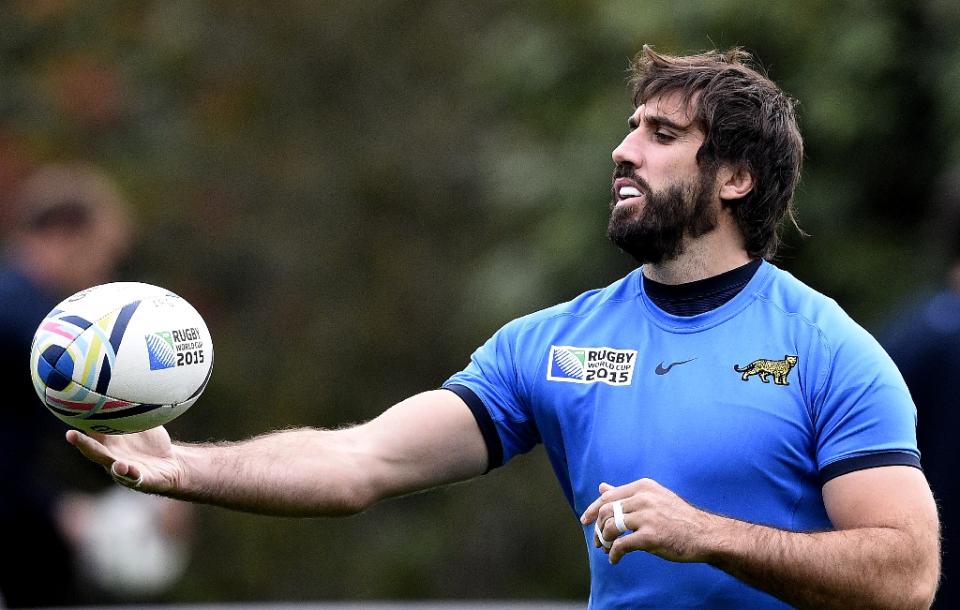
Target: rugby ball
[(121, 357)]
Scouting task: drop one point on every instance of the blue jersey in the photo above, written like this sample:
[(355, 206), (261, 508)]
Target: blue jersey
[(745, 411)]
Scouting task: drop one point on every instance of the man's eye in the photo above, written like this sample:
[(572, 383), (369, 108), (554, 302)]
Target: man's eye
[(663, 138)]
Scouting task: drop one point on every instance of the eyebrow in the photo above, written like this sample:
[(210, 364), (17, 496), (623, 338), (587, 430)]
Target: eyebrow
[(656, 121)]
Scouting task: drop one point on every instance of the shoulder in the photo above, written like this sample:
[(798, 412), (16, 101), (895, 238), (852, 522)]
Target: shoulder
[(832, 335), (601, 303), (842, 352), (794, 298)]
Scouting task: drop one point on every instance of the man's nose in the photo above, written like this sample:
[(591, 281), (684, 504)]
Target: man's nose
[(629, 151)]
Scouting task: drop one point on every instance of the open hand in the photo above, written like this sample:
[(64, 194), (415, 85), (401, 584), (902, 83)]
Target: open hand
[(144, 461)]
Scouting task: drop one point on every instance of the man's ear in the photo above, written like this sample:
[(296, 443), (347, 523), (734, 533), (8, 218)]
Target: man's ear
[(737, 182)]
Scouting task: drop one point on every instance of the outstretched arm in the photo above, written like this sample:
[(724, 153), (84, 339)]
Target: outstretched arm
[(883, 552), (428, 440)]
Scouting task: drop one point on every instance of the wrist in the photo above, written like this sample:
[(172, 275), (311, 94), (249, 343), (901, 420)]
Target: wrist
[(722, 538), (187, 482)]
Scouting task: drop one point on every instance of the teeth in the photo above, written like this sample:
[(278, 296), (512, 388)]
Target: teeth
[(629, 191)]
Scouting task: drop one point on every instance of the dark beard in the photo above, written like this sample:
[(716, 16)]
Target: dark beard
[(657, 233)]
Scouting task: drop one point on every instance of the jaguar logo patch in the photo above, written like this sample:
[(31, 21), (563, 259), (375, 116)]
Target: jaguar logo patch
[(764, 369)]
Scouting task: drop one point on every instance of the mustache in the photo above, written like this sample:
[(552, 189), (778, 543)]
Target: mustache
[(627, 170)]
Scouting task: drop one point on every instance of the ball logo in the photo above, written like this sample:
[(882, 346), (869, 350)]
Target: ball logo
[(591, 365), (161, 351), (170, 348)]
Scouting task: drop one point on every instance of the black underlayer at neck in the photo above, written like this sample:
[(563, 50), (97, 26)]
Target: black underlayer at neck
[(701, 296)]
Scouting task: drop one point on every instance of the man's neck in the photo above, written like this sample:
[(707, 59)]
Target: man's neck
[(703, 257)]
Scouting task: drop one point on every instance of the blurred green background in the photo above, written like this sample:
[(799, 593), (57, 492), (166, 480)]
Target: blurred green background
[(356, 194)]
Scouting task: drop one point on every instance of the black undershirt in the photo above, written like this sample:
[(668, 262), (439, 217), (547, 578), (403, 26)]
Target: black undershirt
[(700, 296)]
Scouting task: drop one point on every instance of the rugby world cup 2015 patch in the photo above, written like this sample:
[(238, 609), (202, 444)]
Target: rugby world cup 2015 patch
[(591, 364)]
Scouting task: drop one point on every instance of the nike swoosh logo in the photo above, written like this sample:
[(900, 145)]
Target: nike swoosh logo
[(663, 371)]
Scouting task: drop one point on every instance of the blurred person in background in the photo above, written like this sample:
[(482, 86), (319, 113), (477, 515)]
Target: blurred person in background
[(728, 437), (71, 229), (924, 341)]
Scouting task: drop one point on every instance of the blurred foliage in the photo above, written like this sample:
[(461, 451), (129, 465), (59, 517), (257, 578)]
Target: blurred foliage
[(356, 194)]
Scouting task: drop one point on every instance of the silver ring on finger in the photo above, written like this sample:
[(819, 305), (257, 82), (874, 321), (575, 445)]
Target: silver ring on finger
[(598, 530), (618, 517), (124, 480)]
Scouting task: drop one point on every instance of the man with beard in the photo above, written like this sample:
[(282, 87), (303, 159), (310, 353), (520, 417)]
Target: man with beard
[(728, 436)]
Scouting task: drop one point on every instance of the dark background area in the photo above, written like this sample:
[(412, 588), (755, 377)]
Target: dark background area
[(356, 194)]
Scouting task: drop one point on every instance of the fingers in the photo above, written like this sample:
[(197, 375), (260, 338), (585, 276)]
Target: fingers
[(646, 516), (91, 448), (613, 521), (625, 544), (646, 537), (598, 539), (608, 493), (618, 517), (609, 512), (590, 515), (126, 474), (599, 512)]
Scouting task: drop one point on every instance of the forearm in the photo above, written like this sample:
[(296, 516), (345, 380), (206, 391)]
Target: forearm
[(427, 440), (874, 567), (302, 472)]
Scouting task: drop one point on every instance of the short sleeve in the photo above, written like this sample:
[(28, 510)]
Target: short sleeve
[(494, 377), (864, 413)]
